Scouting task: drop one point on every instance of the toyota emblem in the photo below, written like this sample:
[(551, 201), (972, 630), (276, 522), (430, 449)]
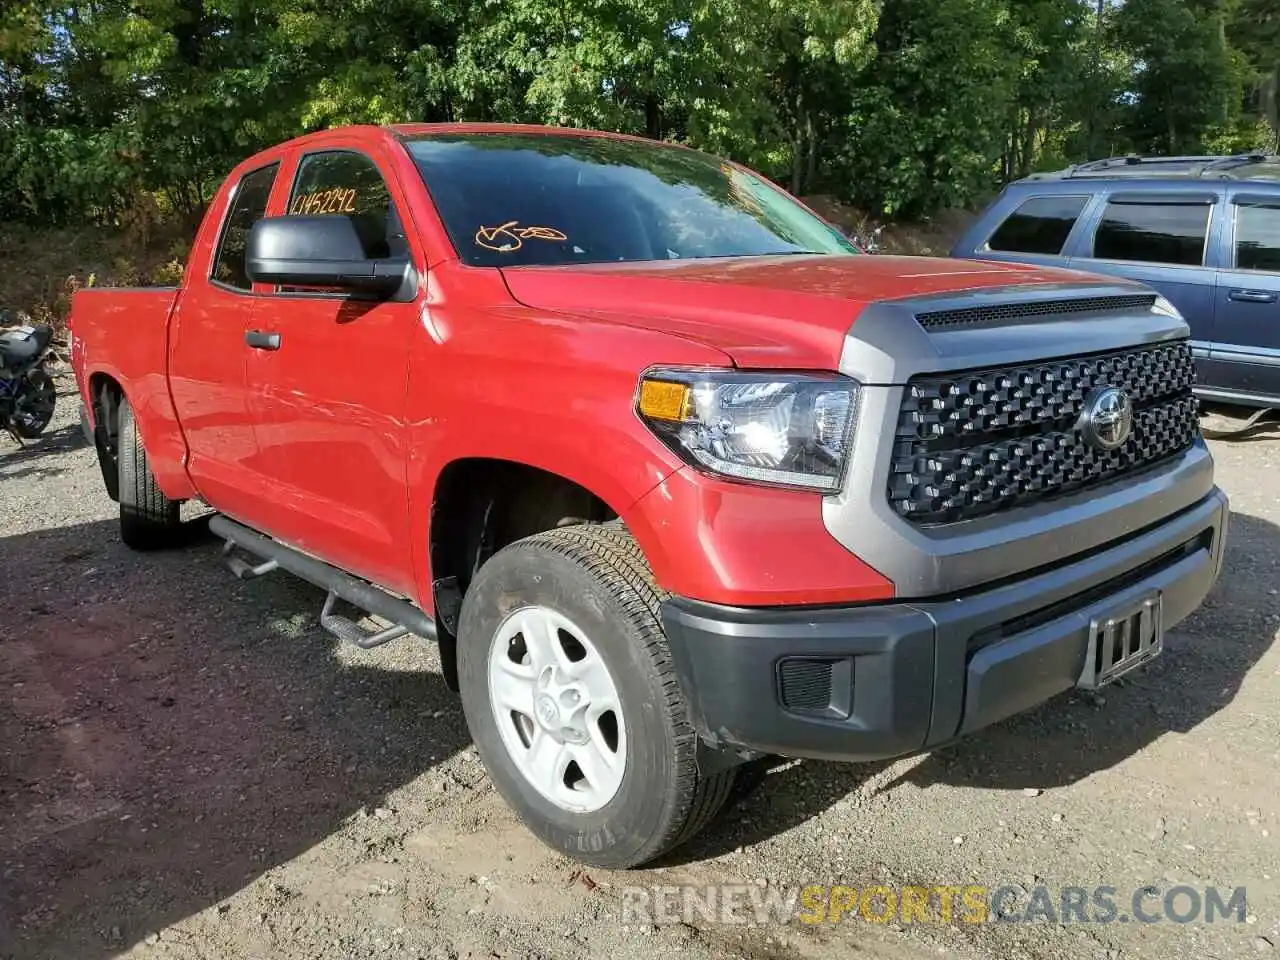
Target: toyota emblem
[(1108, 418)]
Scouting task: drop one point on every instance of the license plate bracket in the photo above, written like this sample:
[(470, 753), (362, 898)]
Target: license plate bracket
[(1122, 641)]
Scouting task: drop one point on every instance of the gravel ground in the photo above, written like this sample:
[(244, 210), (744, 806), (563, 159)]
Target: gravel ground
[(191, 768)]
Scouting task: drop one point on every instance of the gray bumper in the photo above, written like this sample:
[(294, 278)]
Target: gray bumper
[(887, 680)]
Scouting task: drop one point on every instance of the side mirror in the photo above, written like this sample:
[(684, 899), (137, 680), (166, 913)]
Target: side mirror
[(320, 252)]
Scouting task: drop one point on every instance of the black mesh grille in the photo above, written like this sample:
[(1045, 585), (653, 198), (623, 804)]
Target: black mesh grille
[(806, 684), (1012, 312), (972, 443)]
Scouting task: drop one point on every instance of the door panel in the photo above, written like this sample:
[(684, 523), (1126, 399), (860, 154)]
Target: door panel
[(329, 409), (1245, 356), (328, 393), (207, 362), (207, 379)]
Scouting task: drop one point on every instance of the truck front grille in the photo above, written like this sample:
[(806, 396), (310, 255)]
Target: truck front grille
[(975, 442)]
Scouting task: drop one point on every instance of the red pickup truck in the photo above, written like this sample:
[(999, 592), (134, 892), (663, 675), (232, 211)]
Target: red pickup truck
[(675, 475)]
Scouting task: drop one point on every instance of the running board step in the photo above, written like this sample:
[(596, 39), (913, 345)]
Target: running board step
[(243, 570), (344, 628), (341, 585)]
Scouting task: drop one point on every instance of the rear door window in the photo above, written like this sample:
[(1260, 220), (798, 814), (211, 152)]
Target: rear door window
[(248, 206), (1258, 238), (1153, 233), (1040, 225)]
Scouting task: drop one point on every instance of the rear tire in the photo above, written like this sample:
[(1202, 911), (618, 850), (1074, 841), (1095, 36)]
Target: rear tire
[(148, 519), (594, 584)]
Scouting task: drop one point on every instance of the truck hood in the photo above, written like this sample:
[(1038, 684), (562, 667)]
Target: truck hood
[(789, 312)]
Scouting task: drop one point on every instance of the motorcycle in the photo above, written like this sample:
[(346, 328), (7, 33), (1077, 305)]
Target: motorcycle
[(868, 240), (27, 391)]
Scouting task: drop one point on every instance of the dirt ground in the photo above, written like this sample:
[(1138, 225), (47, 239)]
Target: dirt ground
[(190, 768)]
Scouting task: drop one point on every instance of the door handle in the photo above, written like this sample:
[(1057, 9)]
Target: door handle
[(262, 340), (1252, 296)]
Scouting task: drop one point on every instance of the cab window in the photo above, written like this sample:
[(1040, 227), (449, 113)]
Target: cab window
[(345, 183), (248, 206)]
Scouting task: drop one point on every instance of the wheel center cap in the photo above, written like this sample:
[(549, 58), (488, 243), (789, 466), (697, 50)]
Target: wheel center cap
[(548, 712)]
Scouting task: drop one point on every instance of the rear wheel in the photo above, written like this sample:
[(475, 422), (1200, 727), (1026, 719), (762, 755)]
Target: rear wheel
[(572, 699), (148, 519), (34, 405)]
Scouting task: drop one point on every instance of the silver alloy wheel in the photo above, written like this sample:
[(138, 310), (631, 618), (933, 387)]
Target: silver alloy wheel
[(557, 709)]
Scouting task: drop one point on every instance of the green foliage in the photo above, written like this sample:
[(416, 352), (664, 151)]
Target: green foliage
[(926, 133), (117, 112), (1185, 80)]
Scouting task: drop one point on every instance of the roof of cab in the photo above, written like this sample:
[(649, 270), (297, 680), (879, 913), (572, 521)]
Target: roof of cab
[(411, 131), (415, 131)]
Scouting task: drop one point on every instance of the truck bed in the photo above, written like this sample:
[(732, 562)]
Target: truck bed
[(119, 338)]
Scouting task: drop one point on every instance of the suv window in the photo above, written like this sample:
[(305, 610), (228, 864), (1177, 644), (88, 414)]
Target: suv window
[(343, 183), (248, 206), (1040, 225), (1153, 233), (1258, 238)]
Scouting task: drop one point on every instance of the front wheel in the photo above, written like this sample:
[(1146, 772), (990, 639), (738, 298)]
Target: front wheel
[(572, 699), (34, 404)]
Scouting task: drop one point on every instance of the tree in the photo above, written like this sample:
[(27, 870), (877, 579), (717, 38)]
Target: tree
[(928, 119), (1253, 28), (1184, 81), (1054, 42), (903, 106)]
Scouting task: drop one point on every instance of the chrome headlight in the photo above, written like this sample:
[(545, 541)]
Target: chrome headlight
[(779, 428)]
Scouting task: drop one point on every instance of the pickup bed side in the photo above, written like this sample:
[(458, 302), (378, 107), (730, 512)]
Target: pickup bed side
[(119, 347)]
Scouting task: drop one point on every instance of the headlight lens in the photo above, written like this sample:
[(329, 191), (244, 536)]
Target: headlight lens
[(788, 429)]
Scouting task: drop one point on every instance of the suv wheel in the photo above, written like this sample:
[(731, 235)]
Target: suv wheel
[(572, 700)]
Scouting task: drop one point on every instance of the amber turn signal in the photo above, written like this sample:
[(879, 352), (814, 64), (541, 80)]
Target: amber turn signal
[(662, 400)]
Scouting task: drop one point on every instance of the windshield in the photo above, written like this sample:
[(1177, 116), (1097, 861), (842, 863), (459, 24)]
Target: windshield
[(520, 199)]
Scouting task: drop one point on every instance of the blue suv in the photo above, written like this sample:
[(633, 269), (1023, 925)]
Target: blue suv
[(1203, 231)]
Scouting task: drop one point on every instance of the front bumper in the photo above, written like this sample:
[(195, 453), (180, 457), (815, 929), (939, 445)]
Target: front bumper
[(884, 680)]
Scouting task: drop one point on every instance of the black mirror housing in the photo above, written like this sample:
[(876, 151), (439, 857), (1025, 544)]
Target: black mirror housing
[(326, 251)]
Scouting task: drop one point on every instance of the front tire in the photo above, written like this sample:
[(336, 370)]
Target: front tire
[(148, 519), (582, 724)]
